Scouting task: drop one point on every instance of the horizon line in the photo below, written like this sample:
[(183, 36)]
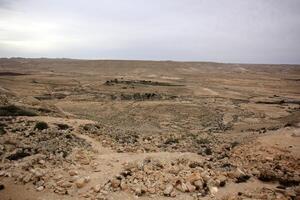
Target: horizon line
[(146, 60)]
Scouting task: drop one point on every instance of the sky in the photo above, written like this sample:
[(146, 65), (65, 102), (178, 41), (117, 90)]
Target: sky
[(236, 31)]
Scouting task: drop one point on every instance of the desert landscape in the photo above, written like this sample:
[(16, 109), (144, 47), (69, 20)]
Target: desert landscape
[(117, 129)]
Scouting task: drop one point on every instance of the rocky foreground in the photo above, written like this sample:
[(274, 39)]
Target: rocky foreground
[(54, 157)]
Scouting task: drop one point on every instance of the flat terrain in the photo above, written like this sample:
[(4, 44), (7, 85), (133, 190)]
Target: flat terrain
[(83, 129)]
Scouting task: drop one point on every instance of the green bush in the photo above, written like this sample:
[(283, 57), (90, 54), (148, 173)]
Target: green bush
[(41, 125)]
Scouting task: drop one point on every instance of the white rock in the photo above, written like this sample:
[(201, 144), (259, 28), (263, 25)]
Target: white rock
[(168, 190), (87, 179), (213, 190), (80, 183), (41, 188), (96, 188)]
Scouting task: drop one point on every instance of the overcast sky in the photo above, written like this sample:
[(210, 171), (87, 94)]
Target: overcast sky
[(244, 31)]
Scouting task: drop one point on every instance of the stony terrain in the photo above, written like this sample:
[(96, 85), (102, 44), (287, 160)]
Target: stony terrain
[(80, 129)]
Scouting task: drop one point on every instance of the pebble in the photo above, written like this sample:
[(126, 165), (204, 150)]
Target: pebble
[(80, 183), (124, 186), (87, 179), (168, 190), (42, 162), (115, 183), (190, 187), (138, 190), (198, 184), (27, 178), (40, 188), (96, 188), (213, 190), (73, 173)]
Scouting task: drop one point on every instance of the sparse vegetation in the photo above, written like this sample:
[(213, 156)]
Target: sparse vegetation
[(203, 141), (234, 144), (41, 125), (140, 82), (63, 126), (12, 110), (2, 130), (171, 141)]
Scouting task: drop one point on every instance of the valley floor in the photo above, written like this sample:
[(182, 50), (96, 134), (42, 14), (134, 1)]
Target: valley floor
[(75, 129)]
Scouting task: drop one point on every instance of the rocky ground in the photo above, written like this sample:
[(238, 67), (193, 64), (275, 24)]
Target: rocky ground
[(72, 129)]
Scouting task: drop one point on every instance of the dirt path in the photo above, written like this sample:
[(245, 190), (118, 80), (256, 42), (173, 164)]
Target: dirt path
[(105, 164)]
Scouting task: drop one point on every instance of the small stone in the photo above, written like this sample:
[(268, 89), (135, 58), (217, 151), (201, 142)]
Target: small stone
[(269, 159), (80, 182), (297, 190), (152, 190), (115, 183), (73, 173), (64, 184), (41, 188), (194, 177), (74, 178), (87, 179), (96, 188), (38, 172), (198, 184), (130, 166), (27, 178), (124, 186), (190, 187), (100, 197), (85, 161), (290, 193), (221, 181), (42, 162), (168, 190), (205, 176), (173, 194), (211, 183), (182, 187), (58, 177), (255, 172), (236, 173), (86, 195), (138, 190), (213, 190), (40, 183)]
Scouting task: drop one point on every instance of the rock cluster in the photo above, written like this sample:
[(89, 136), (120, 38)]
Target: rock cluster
[(43, 172), (32, 155), (152, 176), (132, 141), (26, 139), (278, 167)]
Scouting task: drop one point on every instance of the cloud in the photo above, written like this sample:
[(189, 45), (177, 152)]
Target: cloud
[(217, 30)]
